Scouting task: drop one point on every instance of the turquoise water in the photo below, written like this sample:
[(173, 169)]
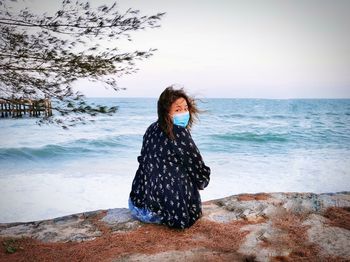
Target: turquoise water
[(251, 145)]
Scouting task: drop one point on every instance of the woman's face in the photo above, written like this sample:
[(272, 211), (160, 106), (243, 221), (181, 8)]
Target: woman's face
[(178, 107)]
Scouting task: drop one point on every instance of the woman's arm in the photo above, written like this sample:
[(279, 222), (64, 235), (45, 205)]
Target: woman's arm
[(191, 158)]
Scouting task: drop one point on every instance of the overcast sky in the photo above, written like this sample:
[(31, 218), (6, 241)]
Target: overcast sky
[(260, 49)]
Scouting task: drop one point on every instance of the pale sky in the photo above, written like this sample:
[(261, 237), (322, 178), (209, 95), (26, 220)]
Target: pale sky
[(243, 49)]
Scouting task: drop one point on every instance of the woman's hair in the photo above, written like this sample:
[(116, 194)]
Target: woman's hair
[(166, 99)]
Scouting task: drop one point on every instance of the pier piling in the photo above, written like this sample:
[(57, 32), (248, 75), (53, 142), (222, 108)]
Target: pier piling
[(17, 108)]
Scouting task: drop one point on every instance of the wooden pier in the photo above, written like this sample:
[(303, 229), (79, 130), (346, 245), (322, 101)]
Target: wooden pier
[(12, 107)]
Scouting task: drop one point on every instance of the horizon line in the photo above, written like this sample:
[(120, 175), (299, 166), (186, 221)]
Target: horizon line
[(289, 98)]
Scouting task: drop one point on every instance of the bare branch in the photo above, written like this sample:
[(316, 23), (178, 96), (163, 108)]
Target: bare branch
[(42, 55)]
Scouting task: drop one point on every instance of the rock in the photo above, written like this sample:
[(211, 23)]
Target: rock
[(269, 226), (74, 227), (258, 234), (198, 254), (334, 241), (120, 219)]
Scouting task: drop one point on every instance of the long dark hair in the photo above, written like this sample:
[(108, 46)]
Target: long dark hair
[(166, 99)]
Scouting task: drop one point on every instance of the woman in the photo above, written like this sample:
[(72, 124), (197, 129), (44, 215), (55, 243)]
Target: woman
[(171, 169)]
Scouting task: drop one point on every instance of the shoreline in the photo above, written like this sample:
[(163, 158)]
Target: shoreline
[(260, 227)]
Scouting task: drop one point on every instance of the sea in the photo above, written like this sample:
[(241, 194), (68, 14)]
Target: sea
[(251, 146)]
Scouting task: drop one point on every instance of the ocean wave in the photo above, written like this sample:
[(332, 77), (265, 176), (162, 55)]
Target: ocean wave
[(69, 149), (233, 116), (33, 153), (252, 137), (259, 117)]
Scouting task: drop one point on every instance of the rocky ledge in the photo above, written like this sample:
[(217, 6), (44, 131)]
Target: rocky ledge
[(245, 227)]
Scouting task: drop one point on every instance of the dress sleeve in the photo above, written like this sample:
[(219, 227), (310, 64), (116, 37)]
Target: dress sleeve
[(144, 148), (191, 158), (140, 158)]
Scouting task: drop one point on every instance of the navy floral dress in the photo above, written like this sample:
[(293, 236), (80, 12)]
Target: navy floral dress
[(166, 183)]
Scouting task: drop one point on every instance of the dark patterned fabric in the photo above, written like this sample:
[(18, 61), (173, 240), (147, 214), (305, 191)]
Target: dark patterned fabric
[(169, 176)]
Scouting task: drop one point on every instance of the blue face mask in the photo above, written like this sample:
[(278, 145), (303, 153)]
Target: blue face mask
[(181, 119)]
